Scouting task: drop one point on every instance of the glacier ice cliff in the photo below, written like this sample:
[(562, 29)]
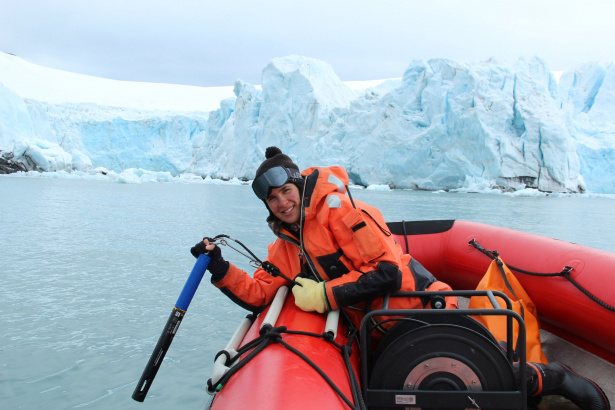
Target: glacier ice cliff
[(443, 125)]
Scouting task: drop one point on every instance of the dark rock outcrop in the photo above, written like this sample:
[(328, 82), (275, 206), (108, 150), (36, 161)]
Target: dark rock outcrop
[(8, 165)]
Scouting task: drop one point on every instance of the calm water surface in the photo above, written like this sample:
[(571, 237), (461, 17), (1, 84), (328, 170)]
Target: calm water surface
[(91, 270)]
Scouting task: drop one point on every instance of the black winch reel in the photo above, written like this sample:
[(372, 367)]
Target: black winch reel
[(441, 357), (429, 361)]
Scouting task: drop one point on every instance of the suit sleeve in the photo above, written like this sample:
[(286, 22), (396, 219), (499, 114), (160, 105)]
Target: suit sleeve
[(255, 292), (251, 293)]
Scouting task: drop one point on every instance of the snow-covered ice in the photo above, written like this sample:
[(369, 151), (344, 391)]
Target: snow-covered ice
[(443, 125)]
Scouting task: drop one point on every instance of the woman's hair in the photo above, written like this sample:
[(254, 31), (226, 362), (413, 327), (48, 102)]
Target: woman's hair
[(273, 221)]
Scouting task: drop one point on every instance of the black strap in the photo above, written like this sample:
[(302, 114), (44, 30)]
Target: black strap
[(565, 273), (403, 224), (500, 264), (350, 196)]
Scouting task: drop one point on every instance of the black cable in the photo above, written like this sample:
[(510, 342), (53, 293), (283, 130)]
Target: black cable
[(224, 379), (266, 265), (241, 244), (565, 273), (354, 383), (319, 371)]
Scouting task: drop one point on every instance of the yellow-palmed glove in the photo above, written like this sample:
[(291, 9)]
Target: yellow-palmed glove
[(310, 296)]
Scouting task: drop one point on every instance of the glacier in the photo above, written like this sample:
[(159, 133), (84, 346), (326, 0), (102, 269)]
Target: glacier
[(443, 125)]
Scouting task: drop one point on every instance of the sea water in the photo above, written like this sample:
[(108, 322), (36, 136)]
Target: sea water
[(91, 270)]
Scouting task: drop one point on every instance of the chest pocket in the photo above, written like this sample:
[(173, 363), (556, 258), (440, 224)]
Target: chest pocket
[(364, 237), (332, 265)]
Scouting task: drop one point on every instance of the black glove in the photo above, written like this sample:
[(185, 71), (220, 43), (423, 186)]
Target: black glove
[(217, 266), (199, 249)]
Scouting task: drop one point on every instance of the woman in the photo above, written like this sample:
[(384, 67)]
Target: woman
[(339, 251), (341, 255)]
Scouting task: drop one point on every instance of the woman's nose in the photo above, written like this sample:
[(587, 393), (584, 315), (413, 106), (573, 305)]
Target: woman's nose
[(282, 200)]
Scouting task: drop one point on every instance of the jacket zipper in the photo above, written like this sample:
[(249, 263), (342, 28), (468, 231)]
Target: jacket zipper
[(302, 251)]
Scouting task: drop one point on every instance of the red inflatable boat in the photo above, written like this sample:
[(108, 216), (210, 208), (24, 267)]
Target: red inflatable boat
[(289, 359), (579, 309)]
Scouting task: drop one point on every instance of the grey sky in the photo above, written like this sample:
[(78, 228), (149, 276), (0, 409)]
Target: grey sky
[(213, 43)]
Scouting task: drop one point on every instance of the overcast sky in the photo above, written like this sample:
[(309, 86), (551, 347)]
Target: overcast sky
[(214, 43)]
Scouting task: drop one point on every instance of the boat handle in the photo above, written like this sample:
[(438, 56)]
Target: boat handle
[(219, 368), (333, 319), (276, 307)]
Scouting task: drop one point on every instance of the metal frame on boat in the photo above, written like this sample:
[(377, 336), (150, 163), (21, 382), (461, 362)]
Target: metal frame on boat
[(416, 393)]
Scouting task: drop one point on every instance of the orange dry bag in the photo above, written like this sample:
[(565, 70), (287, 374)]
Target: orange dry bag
[(500, 278)]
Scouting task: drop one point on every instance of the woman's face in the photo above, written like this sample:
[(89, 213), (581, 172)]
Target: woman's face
[(285, 203)]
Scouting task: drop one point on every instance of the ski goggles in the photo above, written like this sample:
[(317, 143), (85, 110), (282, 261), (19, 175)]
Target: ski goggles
[(273, 178)]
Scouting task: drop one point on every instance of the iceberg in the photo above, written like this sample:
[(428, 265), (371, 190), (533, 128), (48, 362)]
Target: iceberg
[(587, 97), (443, 125)]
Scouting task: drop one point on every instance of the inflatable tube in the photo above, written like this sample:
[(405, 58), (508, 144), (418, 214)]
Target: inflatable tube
[(277, 378), (443, 248)]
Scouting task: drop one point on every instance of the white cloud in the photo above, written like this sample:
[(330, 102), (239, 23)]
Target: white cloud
[(214, 43)]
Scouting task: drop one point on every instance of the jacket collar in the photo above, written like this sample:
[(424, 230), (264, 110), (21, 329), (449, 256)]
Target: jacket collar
[(321, 182)]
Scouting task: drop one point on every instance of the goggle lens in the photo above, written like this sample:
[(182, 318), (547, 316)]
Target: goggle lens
[(273, 178)]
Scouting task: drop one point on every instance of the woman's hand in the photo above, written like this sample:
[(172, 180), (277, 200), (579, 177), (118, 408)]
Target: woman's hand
[(310, 296), (218, 266), (204, 247)]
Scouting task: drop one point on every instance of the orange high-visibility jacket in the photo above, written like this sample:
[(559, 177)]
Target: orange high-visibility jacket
[(344, 242)]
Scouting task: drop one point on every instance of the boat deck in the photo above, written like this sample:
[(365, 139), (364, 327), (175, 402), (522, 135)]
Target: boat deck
[(586, 364), (582, 362)]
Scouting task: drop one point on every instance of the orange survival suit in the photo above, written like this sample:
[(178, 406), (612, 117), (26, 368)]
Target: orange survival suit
[(344, 242)]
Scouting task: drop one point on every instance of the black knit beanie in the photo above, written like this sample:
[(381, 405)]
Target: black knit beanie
[(275, 158)]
